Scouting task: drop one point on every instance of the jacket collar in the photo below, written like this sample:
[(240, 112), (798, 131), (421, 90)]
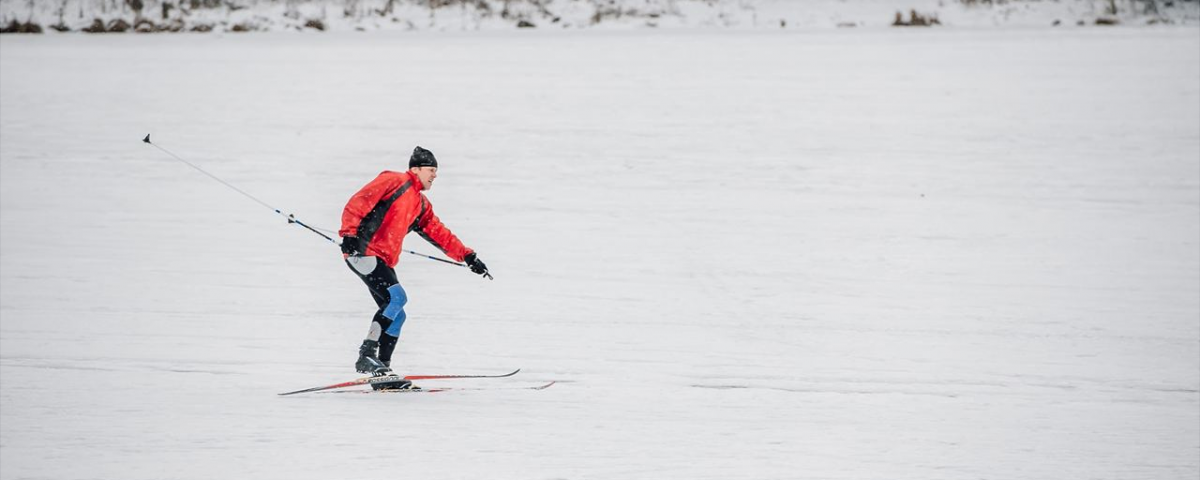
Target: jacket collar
[(415, 180)]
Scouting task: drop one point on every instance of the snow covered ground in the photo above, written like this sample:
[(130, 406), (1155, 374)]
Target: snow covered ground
[(938, 254)]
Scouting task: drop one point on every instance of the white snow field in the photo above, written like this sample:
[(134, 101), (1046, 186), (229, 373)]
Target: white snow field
[(871, 254)]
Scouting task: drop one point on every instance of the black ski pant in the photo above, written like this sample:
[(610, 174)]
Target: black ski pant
[(389, 297)]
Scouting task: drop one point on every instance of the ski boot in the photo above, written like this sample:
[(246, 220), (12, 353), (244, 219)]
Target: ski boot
[(368, 362), (396, 384)]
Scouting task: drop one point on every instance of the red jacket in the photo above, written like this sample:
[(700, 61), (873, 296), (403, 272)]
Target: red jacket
[(389, 207)]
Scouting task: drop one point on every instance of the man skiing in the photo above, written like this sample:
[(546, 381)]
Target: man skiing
[(374, 224)]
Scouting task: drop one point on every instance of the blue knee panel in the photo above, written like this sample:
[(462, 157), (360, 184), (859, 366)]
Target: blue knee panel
[(395, 309)]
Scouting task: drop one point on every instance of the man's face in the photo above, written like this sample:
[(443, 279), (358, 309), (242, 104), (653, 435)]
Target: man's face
[(426, 175)]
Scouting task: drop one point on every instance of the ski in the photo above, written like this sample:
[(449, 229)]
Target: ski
[(440, 377), (446, 389), (379, 379)]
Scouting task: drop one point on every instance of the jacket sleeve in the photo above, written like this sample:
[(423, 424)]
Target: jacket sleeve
[(362, 203), (433, 231)]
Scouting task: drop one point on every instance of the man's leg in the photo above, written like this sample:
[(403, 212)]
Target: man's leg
[(385, 324), (393, 313)]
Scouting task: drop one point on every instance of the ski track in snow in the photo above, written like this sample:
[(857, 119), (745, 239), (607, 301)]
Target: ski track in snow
[(926, 255)]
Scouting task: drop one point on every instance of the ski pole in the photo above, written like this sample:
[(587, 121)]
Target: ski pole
[(485, 274), (436, 258), (290, 218)]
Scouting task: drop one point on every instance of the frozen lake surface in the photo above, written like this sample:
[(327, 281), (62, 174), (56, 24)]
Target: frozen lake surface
[(942, 254)]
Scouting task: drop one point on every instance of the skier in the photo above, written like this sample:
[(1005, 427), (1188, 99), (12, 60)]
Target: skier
[(374, 224)]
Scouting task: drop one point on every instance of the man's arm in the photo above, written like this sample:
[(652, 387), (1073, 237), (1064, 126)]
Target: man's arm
[(433, 231)]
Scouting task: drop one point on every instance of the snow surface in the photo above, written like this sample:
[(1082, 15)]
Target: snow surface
[(897, 254)]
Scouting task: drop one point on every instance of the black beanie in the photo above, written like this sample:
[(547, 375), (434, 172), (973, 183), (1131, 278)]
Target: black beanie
[(422, 158)]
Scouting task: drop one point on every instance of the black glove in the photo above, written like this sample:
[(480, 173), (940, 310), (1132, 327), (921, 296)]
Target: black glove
[(353, 246), (476, 265)]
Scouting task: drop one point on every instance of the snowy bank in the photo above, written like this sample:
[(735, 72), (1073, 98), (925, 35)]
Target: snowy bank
[(107, 16)]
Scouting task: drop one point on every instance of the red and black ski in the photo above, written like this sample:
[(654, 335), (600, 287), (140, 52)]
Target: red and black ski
[(445, 389), (384, 379), (439, 377)]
